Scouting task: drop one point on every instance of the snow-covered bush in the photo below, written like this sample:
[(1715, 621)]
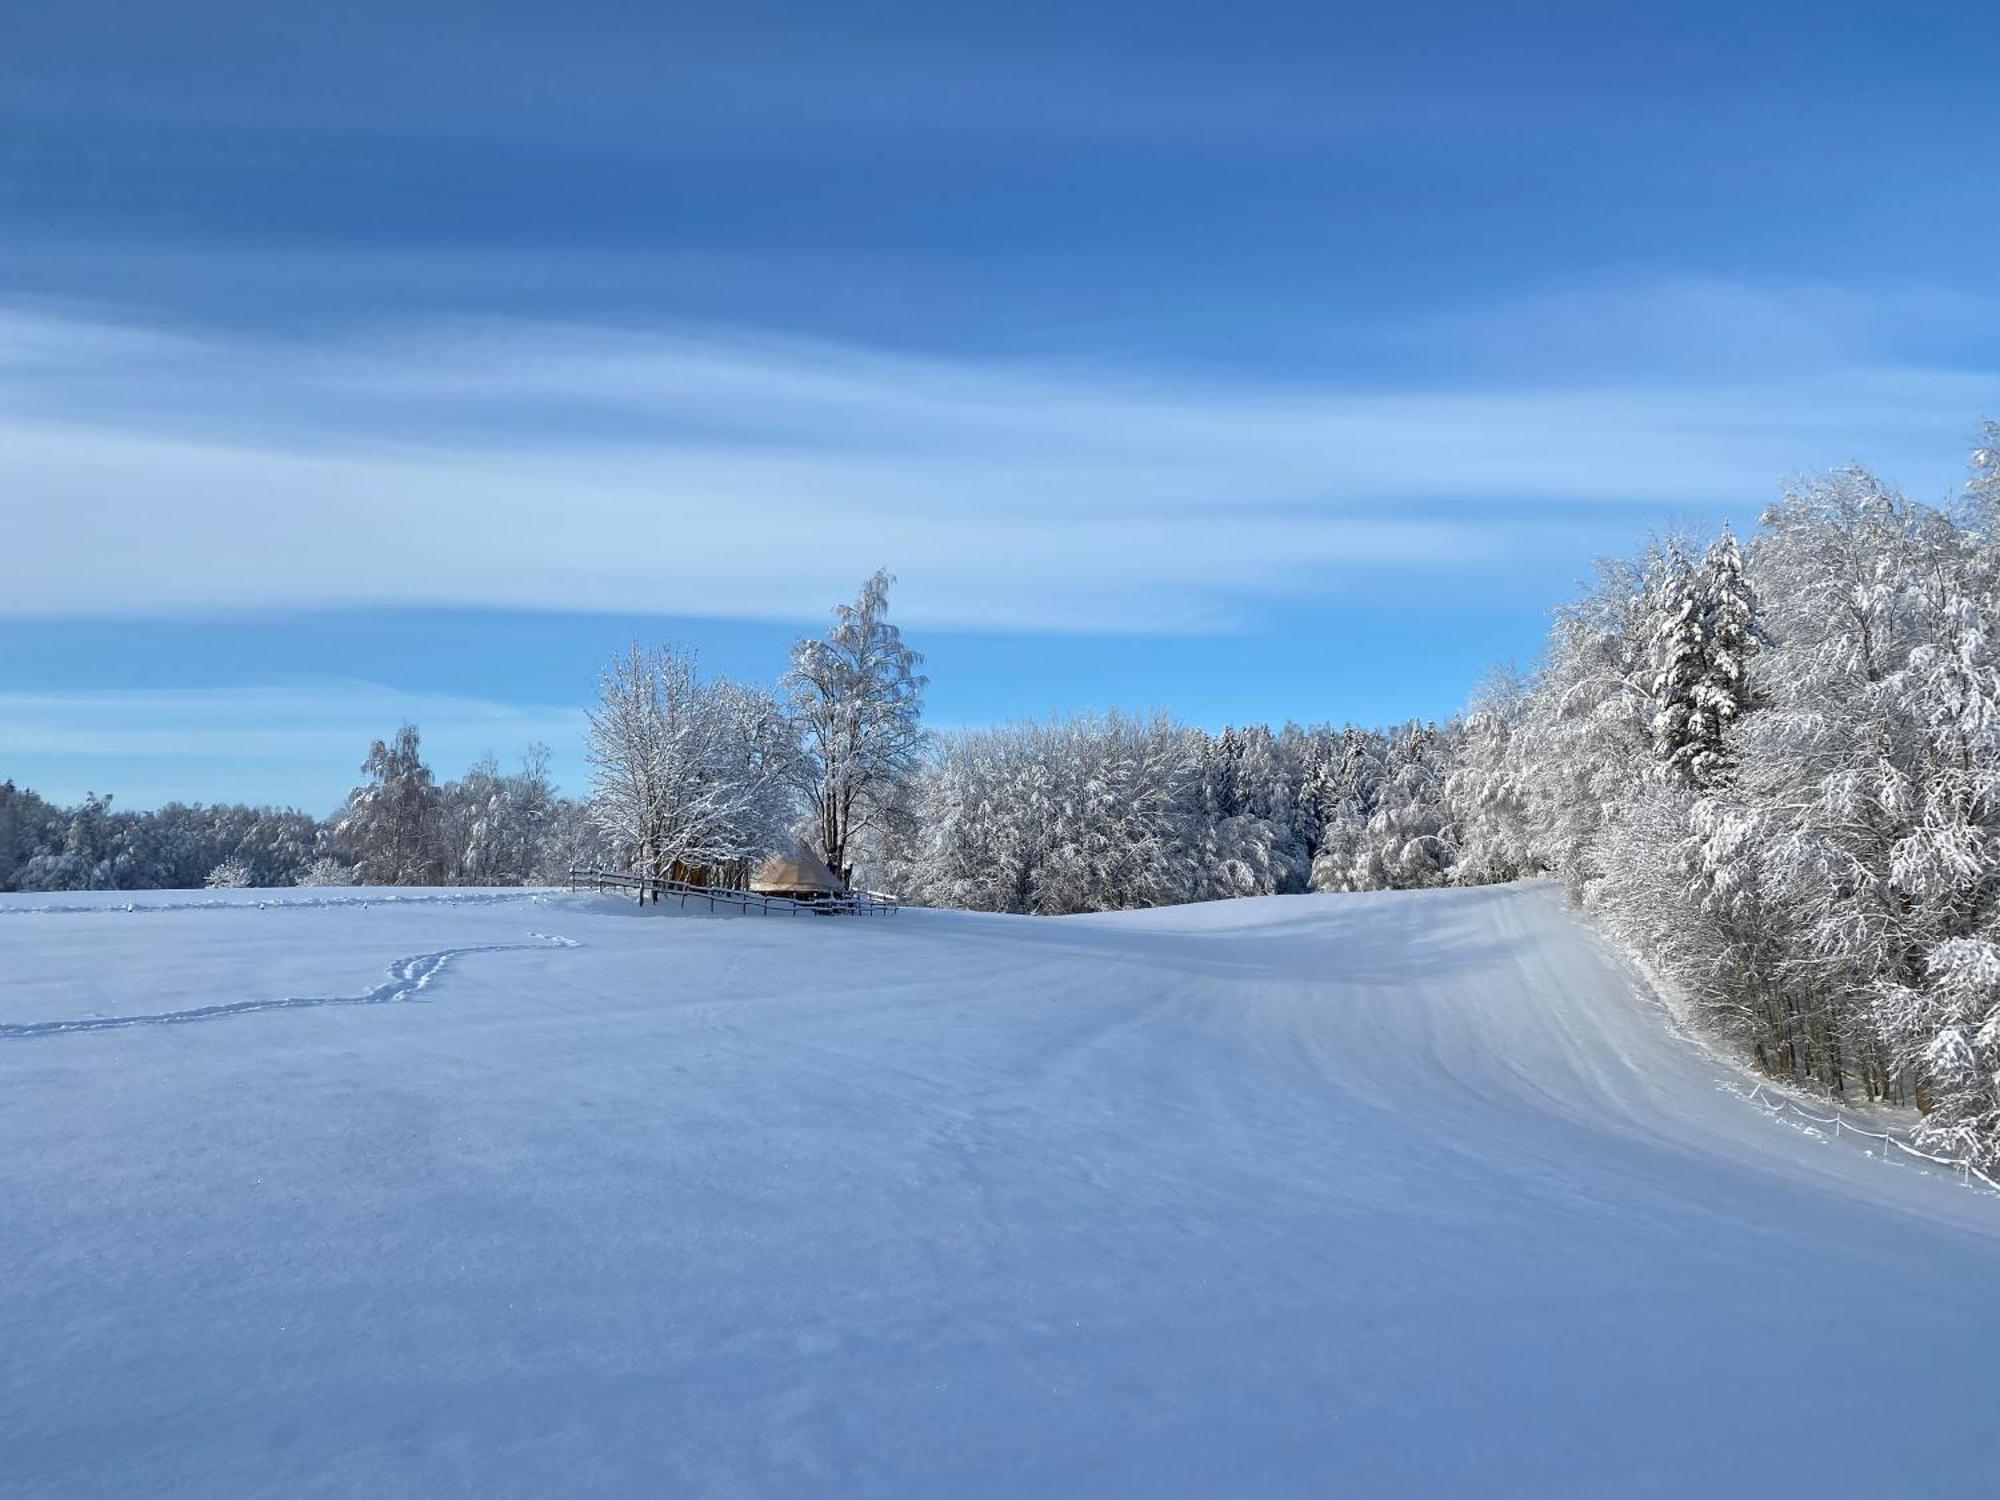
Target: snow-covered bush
[(230, 875), (327, 871)]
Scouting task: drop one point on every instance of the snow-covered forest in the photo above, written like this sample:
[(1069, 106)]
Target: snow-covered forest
[(1771, 771), (400, 826), (1770, 768)]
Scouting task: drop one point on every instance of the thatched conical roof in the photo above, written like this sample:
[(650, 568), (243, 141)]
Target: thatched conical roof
[(800, 871)]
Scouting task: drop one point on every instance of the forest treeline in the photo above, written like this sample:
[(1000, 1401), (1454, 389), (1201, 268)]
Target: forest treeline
[(399, 827), (1771, 771), (1769, 768)]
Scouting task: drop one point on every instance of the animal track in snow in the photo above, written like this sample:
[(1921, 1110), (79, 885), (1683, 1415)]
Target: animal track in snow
[(280, 899), (407, 977)]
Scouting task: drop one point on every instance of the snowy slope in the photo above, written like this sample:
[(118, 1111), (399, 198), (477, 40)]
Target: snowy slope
[(1368, 1195)]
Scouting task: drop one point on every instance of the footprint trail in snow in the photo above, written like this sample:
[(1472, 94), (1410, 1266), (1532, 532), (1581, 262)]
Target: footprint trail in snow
[(408, 977)]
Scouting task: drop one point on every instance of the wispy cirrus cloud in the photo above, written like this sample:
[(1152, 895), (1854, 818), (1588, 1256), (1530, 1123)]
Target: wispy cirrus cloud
[(528, 464)]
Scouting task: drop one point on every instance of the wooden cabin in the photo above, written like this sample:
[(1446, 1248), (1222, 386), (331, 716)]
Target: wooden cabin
[(733, 875)]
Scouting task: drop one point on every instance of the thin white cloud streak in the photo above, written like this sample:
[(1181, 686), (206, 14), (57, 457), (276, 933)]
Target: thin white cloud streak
[(529, 465)]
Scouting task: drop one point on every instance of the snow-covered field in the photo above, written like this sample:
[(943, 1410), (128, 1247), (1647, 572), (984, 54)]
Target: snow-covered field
[(539, 1194)]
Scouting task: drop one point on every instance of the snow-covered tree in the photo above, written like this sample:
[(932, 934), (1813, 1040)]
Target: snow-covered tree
[(858, 699), (1081, 814), (1949, 1030), (1983, 488), (570, 839), (1346, 778), (1585, 744), (95, 849), (628, 751), (1705, 632), (478, 841), (1484, 798), (687, 772), (393, 822), (495, 824), (1679, 658), (1410, 839), (1732, 631), (29, 827), (533, 818), (1232, 849)]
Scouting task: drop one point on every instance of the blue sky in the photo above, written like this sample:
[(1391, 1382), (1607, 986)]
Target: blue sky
[(1260, 362)]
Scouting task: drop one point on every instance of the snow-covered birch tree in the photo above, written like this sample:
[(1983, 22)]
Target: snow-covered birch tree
[(392, 822), (857, 697)]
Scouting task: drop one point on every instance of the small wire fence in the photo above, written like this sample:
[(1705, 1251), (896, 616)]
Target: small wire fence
[(844, 903), (1777, 1104)]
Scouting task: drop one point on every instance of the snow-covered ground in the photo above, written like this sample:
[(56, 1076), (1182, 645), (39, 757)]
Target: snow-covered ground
[(1365, 1195)]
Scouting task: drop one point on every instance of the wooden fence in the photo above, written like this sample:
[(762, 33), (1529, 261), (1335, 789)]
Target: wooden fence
[(846, 904)]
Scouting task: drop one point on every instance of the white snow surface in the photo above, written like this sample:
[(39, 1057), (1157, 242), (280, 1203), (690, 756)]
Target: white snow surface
[(1409, 1194)]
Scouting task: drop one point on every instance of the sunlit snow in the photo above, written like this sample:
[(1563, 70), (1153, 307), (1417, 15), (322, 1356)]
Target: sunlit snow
[(1414, 1194)]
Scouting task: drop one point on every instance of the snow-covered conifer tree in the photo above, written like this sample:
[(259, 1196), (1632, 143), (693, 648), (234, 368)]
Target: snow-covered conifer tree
[(1731, 632), (1675, 598), (1344, 794)]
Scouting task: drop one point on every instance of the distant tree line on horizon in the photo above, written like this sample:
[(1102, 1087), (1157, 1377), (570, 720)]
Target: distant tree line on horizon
[(400, 827), (1771, 772)]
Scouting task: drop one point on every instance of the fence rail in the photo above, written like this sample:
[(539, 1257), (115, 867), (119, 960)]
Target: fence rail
[(845, 904), (1776, 1103)]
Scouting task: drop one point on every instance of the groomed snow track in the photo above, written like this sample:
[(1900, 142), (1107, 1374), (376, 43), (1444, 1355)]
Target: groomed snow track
[(1374, 1195)]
